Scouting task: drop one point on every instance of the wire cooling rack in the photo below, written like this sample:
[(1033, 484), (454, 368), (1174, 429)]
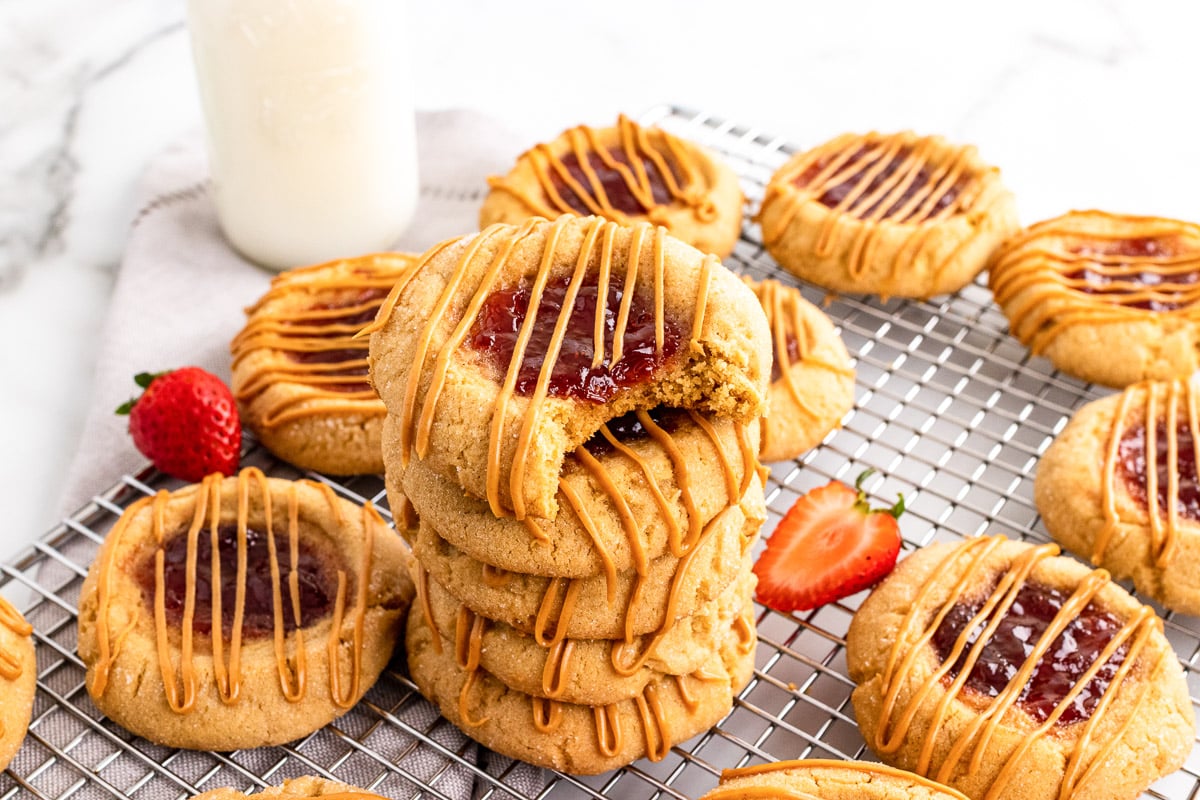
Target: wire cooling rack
[(950, 410)]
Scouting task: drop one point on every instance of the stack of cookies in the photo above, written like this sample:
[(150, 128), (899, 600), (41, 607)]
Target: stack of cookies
[(571, 445)]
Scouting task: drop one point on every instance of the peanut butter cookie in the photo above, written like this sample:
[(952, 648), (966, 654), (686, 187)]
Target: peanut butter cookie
[(894, 215), (1108, 298), (240, 612), (627, 174), (507, 349), (1009, 673)]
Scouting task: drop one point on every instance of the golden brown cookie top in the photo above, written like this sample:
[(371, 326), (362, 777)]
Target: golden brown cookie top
[(824, 779), (517, 343), (301, 333), (216, 568), (10, 618), (1061, 648), (901, 183), (1150, 456), (624, 173), (1090, 267), (296, 789)]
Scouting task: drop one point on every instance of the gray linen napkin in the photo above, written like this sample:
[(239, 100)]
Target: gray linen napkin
[(178, 300)]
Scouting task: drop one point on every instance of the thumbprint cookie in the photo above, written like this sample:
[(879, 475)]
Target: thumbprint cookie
[(626, 173), (1108, 298), (18, 680), (643, 486), (240, 612), (1119, 486), (1010, 673), (504, 350), (295, 789), (888, 214), (819, 779), (299, 373), (575, 738), (812, 382)]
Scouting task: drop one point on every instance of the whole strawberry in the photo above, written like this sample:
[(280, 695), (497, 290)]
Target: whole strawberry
[(186, 422)]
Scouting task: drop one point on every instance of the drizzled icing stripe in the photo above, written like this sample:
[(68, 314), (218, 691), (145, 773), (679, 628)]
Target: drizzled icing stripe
[(896, 202), (417, 411), (1159, 401), (969, 561), (786, 317), (10, 662), (181, 685), (676, 163), (274, 327), (816, 765), (1052, 260)]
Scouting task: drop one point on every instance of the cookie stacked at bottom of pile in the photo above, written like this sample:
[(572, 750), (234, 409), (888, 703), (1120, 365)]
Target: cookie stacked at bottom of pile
[(571, 444), (620, 628)]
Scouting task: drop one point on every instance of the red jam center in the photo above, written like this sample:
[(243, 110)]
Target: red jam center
[(317, 580), (627, 428), (499, 322), (1058, 670), (793, 355), (1170, 286), (1131, 461), (615, 186), (349, 323), (855, 171)]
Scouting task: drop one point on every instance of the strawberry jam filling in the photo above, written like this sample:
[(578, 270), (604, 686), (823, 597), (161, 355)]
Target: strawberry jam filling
[(612, 182), (1131, 462), (317, 580), (628, 428), (498, 326), (319, 324), (793, 355), (1056, 672), (850, 175), (1114, 277)]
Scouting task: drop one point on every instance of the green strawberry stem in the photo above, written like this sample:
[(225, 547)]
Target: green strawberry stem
[(862, 504), (143, 380)]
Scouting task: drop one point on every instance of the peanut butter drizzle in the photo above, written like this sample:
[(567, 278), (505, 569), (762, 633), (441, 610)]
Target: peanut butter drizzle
[(496, 577), (976, 737), (608, 729), (416, 419), (783, 306), (307, 330), (570, 597), (468, 649), (678, 164), (1164, 533), (679, 547), (10, 663), (422, 584), (654, 724), (1057, 302), (181, 692), (917, 214), (618, 654), (547, 715), (764, 792)]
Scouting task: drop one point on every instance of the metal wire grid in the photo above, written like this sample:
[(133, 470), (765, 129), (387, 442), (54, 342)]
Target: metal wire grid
[(950, 410)]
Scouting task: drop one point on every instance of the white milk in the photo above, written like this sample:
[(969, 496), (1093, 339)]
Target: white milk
[(310, 124)]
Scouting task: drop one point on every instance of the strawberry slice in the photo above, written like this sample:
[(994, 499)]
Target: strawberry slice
[(829, 545)]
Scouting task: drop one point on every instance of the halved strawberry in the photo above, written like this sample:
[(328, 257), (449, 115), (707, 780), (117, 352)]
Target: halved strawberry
[(829, 545)]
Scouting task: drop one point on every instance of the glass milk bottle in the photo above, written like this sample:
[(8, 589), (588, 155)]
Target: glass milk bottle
[(310, 124)]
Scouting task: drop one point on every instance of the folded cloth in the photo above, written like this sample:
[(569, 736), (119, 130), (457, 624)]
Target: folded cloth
[(180, 292), (178, 300)]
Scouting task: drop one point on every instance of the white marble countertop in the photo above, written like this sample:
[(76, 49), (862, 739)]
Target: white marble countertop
[(1082, 104)]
